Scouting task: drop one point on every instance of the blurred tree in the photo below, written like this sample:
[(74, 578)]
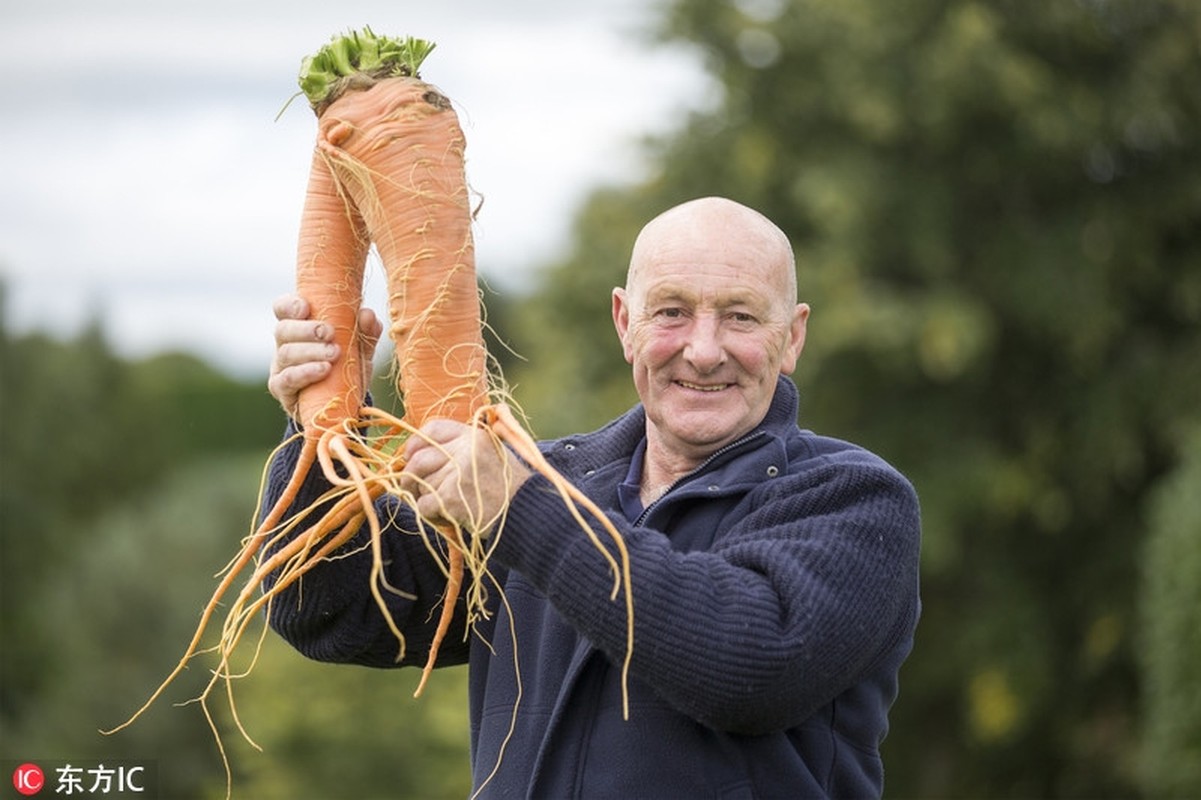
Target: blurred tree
[(74, 439), (996, 214), (200, 410), (574, 376), (83, 431), (121, 606), (1171, 634)]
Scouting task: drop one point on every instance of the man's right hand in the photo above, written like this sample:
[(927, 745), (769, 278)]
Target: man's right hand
[(305, 350)]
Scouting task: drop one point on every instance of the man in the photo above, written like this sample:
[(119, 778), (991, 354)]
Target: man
[(774, 571)]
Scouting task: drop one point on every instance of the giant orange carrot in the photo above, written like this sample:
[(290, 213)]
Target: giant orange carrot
[(387, 169)]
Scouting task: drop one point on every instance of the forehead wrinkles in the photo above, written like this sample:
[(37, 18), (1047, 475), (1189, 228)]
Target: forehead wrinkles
[(718, 298)]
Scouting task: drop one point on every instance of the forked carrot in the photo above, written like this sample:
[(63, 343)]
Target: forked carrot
[(388, 169)]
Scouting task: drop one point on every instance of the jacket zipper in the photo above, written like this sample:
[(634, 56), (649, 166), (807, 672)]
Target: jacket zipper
[(703, 466)]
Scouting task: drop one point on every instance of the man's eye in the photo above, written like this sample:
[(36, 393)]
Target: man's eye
[(742, 317), (671, 313)]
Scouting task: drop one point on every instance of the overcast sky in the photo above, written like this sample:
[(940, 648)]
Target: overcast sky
[(147, 181)]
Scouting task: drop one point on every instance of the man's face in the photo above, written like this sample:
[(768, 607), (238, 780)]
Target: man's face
[(708, 321)]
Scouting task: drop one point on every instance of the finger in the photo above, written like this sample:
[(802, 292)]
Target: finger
[(435, 434), (286, 384), (297, 353), (370, 325), (444, 431), (443, 495), (294, 330), (290, 306), (431, 507), (424, 463), (369, 331), (296, 378)]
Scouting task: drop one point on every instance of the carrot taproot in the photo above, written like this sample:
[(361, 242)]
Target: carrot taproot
[(330, 265)]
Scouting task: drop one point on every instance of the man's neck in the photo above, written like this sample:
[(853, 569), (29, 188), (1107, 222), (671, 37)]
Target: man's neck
[(661, 468)]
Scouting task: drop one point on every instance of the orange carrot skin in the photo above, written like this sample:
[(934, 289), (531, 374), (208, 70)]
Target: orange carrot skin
[(331, 258)]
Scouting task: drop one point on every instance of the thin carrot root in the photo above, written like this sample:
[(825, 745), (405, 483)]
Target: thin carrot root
[(454, 585)]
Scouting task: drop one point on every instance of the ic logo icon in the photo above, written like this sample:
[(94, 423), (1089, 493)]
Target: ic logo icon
[(29, 779)]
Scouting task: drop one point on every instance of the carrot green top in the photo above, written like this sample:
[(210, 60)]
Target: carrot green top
[(356, 59)]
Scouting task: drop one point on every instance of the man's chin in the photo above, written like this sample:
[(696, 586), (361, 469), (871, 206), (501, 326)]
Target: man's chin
[(696, 431)]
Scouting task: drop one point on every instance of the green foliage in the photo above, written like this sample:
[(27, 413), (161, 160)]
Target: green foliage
[(76, 436), (363, 734), (997, 224), (120, 606), (1171, 633)]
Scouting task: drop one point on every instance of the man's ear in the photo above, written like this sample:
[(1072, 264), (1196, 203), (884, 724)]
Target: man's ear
[(796, 339), (621, 322)]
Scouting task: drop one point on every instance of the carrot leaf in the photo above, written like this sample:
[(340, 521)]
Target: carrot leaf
[(355, 54)]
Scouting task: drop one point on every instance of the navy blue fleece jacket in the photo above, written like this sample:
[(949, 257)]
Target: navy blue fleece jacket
[(775, 599)]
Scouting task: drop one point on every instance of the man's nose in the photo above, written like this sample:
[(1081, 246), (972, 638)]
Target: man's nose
[(704, 350)]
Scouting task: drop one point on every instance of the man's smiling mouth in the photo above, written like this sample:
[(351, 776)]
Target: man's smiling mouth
[(717, 387)]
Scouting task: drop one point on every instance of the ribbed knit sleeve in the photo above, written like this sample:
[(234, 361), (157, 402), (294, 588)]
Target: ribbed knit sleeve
[(796, 602)]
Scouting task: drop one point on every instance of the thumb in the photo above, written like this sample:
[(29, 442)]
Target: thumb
[(370, 330)]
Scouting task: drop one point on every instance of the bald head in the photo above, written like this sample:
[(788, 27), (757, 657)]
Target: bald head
[(725, 229)]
